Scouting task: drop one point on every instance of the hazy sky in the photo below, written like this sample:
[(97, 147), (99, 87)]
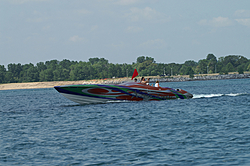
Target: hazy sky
[(33, 31)]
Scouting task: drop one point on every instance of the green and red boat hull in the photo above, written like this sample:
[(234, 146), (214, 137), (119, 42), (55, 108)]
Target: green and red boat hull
[(130, 91)]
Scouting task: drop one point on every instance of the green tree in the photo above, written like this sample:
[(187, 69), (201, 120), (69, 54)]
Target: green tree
[(103, 61), (242, 60), (23, 74), (42, 76), (240, 69), (235, 60), (174, 68), (14, 71), (220, 67), (32, 74), (98, 60), (211, 63), (150, 59), (48, 74), (2, 73), (41, 66), (9, 77), (202, 66), (248, 67), (118, 71), (183, 69), (57, 74), (127, 69), (211, 57), (230, 67), (81, 71), (52, 64), (140, 59), (94, 60), (146, 67), (190, 63), (190, 72), (65, 64)]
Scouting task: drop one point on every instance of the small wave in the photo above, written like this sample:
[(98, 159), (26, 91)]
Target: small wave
[(236, 94), (197, 96), (118, 101)]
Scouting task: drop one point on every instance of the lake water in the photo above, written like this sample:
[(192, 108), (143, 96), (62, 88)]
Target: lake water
[(41, 127)]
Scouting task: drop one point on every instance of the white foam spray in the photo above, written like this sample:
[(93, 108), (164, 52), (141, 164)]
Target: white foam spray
[(197, 96)]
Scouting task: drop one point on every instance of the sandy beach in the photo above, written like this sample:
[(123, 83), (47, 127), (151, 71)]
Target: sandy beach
[(35, 85), (51, 84)]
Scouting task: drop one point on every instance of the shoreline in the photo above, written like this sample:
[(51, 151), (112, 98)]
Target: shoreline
[(51, 84)]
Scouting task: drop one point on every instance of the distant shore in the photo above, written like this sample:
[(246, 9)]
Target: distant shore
[(51, 84), (206, 77)]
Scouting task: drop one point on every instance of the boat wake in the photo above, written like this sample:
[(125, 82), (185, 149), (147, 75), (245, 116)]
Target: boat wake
[(197, 96)]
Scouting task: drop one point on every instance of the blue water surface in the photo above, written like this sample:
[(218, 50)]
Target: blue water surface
[(41, 127)]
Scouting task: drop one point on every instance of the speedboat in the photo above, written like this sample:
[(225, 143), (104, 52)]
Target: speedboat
[(128, 91)]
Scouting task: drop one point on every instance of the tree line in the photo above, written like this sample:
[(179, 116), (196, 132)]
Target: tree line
[(100, 68)]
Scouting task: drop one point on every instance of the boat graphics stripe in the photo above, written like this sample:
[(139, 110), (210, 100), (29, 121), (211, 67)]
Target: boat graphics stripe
[(178, 95), (125, 90), (62, 90)]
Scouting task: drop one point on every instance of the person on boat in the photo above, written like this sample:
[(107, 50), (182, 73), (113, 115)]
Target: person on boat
[(157, 84), (147, 82), (143, 81), (135, 79)]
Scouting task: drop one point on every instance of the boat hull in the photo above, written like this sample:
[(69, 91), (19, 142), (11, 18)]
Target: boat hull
[(99, 93)]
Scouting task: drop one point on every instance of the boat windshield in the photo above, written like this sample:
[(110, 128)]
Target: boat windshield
[(132, 83)]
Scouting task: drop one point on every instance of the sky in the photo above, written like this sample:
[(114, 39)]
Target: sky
[(170, 31)]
